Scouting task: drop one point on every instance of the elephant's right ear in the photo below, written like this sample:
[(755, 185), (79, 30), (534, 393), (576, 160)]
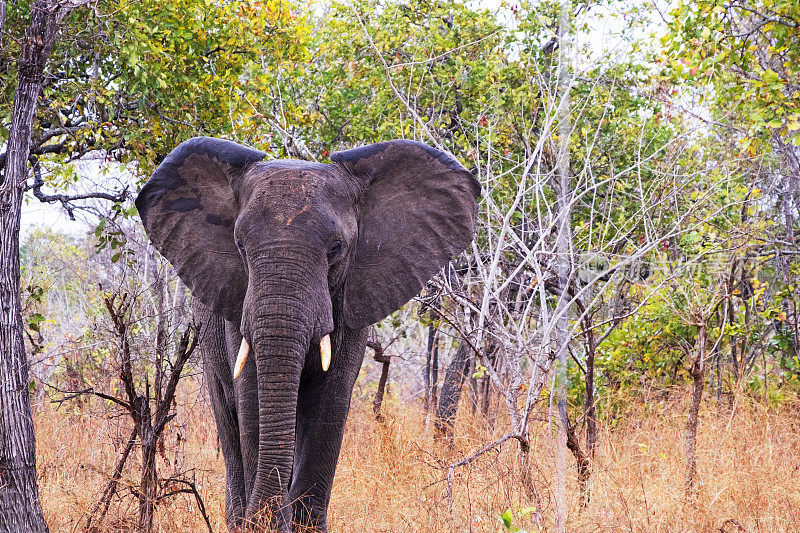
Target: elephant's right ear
[(188, 208)]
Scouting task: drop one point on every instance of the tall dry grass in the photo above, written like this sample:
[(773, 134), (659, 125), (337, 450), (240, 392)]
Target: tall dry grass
[(390, 478)]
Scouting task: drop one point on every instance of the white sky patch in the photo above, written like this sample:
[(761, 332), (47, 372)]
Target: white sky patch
[(95, 174)]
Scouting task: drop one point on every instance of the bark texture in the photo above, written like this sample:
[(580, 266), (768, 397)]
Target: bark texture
[(385, 360), (20, 507), (454, 378), (698, 372), (432, 359)]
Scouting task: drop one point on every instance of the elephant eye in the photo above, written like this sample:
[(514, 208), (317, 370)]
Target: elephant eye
[(239, 245), (335, 248)]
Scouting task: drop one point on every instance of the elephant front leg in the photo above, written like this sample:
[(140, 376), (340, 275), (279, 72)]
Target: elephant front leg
[(228, 431), (246, 392), (322, 408), (223, 404)]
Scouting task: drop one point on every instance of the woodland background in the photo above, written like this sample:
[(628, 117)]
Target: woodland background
[(618, 349)]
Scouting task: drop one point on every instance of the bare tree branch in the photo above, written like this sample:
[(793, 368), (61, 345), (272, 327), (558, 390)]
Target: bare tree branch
[(67, 199)]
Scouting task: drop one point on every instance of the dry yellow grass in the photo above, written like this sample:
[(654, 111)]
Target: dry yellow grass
[(389, 477)]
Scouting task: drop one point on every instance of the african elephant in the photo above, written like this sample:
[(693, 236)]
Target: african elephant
[(288, 263)]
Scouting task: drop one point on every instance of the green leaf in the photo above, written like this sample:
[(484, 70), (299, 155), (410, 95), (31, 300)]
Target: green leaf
[(34, 320), (770, 77), (507, 518)]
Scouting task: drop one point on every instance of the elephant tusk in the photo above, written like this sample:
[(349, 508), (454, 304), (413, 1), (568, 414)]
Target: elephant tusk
[(241, 359), (325, 352)]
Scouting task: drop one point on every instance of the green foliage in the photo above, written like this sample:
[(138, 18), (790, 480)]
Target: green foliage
[(111, 237), (50, 271), (520, 513), (646, 348), (135, 78), (749, 54), (448, 56), (781, 313), (132, 79)]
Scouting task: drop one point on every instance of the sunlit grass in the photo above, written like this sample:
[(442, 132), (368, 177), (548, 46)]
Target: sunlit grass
[(390, 476)]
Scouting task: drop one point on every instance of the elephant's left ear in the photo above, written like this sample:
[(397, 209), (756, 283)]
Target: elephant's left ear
[(418, 210), (189, 208)]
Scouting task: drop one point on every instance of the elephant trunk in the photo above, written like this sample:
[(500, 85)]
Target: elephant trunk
[(281, 320), (279, 344)]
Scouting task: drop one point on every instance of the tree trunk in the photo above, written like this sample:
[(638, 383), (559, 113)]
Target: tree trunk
[(20, 507), (381, 392), (698, 380), (563, 265), (2, 27), (583, 459), (432, 359), (584, 470), (454, 377), (527, 481), (734, 339), (588, 379), (473, 385), (435, 371), (380, 357), (149, 480)]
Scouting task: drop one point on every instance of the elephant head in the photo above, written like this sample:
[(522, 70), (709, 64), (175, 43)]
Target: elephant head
[(292, 251)]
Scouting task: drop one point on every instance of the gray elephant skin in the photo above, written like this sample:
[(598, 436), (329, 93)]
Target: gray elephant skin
[(287, 255)]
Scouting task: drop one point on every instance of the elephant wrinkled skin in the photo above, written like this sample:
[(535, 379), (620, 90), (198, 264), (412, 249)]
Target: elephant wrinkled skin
[(281, 254)]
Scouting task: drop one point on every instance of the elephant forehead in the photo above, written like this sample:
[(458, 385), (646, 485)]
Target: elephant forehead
[(285, 191), (286, 180)]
